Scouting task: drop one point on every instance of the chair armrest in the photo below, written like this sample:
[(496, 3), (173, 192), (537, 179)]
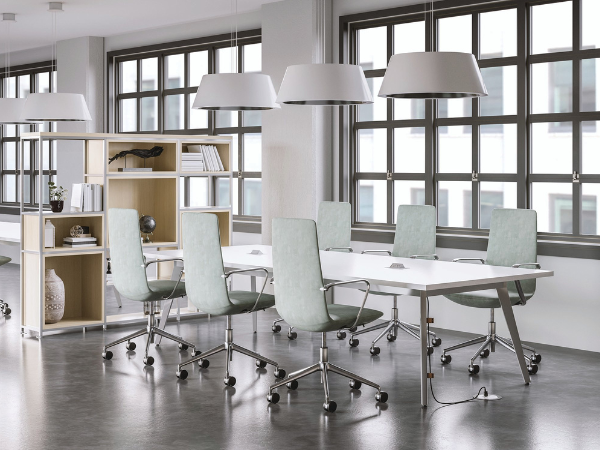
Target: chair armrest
[(376, 251), (226, 275), (154, 261), (481, 260), (167, 297), (337, 283), (434, 256), (536, 265), (339, 248)]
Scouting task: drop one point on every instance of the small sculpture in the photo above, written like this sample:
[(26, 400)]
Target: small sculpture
[(140, 153), (147, 226), (76, 231)]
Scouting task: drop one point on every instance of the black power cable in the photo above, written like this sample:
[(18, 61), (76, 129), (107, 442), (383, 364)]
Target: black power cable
[(485, 392)]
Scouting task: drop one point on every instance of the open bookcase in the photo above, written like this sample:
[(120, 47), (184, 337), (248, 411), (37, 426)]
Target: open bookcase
[(157, 193)]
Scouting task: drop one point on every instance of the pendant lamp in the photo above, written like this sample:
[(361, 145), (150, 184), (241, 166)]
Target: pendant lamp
[(324, 84), (432, 75), (10, 108), (235, 91), (56, 107)]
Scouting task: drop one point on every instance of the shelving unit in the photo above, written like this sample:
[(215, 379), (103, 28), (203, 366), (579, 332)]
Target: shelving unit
[(155, 193)]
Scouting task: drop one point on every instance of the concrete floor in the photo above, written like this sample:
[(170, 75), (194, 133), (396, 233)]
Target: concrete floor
[(61, 394)]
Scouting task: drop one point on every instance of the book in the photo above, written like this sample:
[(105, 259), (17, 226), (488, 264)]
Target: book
[(86, 197), (76, 198), (87, 244), (79, 239)]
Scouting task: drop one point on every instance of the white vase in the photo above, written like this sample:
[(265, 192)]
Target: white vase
[(55, 297)]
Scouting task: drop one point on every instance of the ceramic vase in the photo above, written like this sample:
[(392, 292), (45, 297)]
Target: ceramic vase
[(55, 297), (57, 205)]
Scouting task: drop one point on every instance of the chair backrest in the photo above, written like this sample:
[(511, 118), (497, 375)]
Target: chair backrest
[(297, 273), (126, 257), (334, 224), (513, 240), (415, 231), (204, 283)]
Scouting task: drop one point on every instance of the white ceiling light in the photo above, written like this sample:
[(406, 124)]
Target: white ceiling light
[(432, 75), (324, 84), (10, 108), (56, 107), (235, 91)]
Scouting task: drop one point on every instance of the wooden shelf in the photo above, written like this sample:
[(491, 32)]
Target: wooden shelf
[(223, 148), (166, 162), (73, 323), (62, 226), (60, 250)]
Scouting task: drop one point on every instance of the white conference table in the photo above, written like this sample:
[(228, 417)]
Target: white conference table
[(420, 278)]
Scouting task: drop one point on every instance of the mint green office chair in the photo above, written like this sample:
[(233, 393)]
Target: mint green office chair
[(300, 299), (129, 279), (414, 238), (334, 226), (4, 308), (206, 285), (512, 243)]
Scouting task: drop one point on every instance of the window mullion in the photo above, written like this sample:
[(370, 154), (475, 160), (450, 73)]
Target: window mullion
[(475, 141), (523, 105)]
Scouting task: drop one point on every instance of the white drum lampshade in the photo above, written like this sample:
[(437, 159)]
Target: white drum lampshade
[(11, 111), (432, 75), (235, 92), (56, 107), (324, 84)]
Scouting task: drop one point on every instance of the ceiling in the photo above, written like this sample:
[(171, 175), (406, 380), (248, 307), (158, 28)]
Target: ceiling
[(106, 17)]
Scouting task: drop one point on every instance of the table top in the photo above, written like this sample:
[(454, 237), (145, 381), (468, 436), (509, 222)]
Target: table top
[(419, 275)]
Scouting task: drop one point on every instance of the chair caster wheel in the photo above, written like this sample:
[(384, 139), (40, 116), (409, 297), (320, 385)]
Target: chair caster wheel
[(436, 342), (374, 351), (107, 355), (130, 346), (341, 335), (474, 369), (355, 384), (183, 346), (273, 398), (229, 381), (7, 311), (536, 358), (203, 363), (446, 359), (429, 351), (292, 335), (381, 397), (279, 373), (330, 406), (149, 361), (391, 337), (353, 342), (182, 374), (485, 353), (276, 329), (196, 353), (532, 369), (292, 385), (260, 364)]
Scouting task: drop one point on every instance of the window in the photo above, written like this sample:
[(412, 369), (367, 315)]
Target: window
[(22, 81), (470, 156), (154, 92)]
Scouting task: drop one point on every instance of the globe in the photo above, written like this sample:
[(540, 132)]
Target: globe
[(147, 224)]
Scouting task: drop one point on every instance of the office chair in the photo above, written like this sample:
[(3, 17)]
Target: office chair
[(4, 308), (334, 226), (300, 299), (129, 279), (206, 285), (414, 238), (512, 242)]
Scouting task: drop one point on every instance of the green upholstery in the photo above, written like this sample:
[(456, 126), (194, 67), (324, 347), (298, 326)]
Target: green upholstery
[(334, 225), (4, 260), (298, 281), (513, 240), (127, 260), (205, 284)]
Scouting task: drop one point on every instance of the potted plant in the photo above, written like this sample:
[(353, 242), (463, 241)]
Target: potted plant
[(58, 195)]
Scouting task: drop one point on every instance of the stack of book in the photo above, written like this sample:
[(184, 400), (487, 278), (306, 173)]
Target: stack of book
[(78, 242), (86, 197), (211, 160)]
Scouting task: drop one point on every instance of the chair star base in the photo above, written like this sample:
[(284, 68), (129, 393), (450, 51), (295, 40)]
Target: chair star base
[(229, 347), (324, 366), (488, 343), (151, 330)]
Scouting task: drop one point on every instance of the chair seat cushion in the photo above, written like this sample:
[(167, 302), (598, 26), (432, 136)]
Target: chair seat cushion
[(160, 289), (484, 299), (4, 260), (344, 316), (242, 302)]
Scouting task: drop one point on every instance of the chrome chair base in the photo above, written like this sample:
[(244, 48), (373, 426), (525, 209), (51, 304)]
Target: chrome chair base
[(277, 328), (324, 366), (229, 347), (4, 308), (488, 343), (390, 329), (151, 330)]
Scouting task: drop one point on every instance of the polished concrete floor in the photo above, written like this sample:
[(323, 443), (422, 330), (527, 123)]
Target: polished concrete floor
[(60, 394)]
